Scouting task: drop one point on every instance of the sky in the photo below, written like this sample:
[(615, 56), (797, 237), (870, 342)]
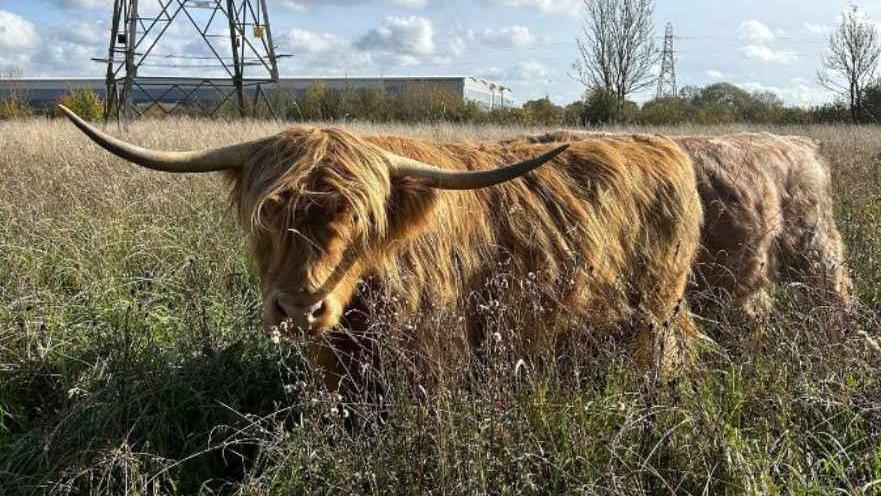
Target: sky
[(527, 45)]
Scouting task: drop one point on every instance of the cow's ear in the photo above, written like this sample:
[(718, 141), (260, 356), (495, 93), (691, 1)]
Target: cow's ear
[(409, 207)]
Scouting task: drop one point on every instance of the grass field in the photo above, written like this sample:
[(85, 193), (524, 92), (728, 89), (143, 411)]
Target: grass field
[(131, 361)]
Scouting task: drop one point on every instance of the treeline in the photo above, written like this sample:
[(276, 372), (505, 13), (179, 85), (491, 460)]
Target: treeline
[(720, 103)]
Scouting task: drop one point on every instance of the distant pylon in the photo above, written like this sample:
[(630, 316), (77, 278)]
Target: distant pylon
[(667, 78)]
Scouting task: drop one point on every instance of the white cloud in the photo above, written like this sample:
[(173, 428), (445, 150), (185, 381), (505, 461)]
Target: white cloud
[(16, 32), (767, 54), (714, 74), (457, 45), (819, 29), (516, 36), (758, 37), (800, 94), (756, 32), (83, 33), (531, 71), (550, 6), (527, 72), (309, 5), (69, 49), (302, 41), (513, 36), (85, 4), (18, 40), (394, 46), (342, 64), (413, 36)]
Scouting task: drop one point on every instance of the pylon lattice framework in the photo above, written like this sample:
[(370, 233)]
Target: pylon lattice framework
[(242, 24), (667, 77)]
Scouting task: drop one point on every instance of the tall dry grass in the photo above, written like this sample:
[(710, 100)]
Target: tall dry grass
[(131, 362)]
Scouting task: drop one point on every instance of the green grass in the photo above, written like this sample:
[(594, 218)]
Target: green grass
[(131, 360)]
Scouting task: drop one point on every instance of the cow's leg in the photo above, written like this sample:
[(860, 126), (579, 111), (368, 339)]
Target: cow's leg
[(662, 348), (341, 355), (756, 303), (830, 272), (813, 254), (337, 355), (665, 327), (323, 359), (811, 248), (739, 276), (754, 272), (662, 326)]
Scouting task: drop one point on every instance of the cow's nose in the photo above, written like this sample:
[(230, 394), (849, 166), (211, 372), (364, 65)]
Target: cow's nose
[(315, 310), (303, 316)]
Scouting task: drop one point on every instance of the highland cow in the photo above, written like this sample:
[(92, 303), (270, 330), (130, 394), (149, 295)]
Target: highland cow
[(610, 227), (768, 217)]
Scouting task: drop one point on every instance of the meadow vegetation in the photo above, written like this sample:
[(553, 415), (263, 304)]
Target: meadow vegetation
[(131, 360)]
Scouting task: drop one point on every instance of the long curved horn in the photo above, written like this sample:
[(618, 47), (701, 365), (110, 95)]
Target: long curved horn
[(228, 157), (465, 180)]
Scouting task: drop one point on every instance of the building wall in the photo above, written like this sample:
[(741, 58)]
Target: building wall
[(44, 92), (487, 94), (392, 86)]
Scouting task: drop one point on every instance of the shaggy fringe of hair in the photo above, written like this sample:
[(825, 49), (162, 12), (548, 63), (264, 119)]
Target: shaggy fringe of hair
[(284, 170)]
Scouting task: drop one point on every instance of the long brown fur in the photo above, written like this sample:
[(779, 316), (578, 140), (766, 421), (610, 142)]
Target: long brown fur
[(768, 216), (617, 218)]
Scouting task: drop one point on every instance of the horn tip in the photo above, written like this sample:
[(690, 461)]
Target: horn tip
[(554, 153), (66, 111)]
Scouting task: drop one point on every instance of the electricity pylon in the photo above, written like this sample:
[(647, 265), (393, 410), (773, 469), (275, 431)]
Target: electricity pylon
[(667, 78), (231, 36)]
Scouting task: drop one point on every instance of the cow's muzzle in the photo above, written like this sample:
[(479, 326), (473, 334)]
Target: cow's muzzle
[(303, 317)]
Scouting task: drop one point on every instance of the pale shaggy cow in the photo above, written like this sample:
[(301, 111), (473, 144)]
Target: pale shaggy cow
[(617, 218), (768, 216)]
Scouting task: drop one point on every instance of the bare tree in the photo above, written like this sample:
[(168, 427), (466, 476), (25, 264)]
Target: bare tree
[(14, 101), (617, 50), (851, 63)]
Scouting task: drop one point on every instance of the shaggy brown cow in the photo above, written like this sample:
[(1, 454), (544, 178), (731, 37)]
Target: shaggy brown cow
[(768, 216), (618, 219)]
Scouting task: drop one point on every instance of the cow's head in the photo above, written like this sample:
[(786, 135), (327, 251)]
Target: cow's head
[(321, 205)]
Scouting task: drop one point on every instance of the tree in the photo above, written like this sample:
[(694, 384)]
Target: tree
[(542, 111), (668, 110), (371, 104), (600, 107), (831, 112), (14, 102), (575, 114), (427, 103), (852, 60), (722, 103), (719, 103), (872, 101), (84, 103), (617, 51), (320, 103)]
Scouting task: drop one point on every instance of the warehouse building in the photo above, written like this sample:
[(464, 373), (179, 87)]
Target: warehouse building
[(45, 92)]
